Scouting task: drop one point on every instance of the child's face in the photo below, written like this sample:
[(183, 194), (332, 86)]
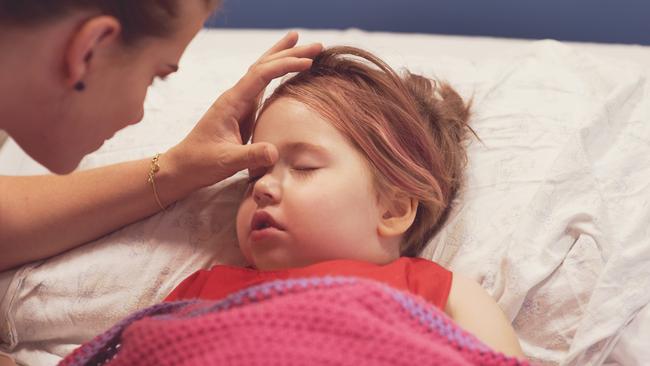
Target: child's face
[(322, 197)]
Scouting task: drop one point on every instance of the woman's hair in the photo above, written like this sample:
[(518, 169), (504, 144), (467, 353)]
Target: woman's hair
[(410, 129), (139, 18)]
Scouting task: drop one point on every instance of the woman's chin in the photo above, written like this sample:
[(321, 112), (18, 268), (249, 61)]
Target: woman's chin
[(61, 165)]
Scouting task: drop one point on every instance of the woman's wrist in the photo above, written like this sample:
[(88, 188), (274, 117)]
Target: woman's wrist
[(174, 179)]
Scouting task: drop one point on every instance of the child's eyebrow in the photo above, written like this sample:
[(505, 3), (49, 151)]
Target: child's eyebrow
[(298, 147)]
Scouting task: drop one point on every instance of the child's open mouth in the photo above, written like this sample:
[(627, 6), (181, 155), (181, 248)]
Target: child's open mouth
[(264, 225)]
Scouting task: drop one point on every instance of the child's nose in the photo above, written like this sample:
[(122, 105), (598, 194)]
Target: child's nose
[(266, 192)]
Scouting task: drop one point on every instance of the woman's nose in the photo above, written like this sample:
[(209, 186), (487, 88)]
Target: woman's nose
[(266, 191)]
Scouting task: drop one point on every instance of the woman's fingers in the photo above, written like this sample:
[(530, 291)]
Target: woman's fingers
[(288, 41), (248, 91), (281, 59), (260, 75), (306, 51), (250, 156)]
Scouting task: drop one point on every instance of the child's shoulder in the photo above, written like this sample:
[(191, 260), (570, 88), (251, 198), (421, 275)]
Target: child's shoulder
[(464, 291), (472, 307)]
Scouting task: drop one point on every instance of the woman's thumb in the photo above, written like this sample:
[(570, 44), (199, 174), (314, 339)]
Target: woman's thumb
[(253, 156)]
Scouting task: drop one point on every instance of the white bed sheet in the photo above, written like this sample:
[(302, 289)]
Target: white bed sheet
[(552, 220)]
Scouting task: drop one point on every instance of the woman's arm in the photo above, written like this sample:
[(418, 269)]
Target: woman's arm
[(476, 311), (42, 216)]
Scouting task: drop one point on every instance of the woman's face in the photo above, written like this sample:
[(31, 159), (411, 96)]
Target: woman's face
[(116, 86), (318, 199)]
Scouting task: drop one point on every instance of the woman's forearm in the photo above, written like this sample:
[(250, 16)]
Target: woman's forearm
[(41, 216)]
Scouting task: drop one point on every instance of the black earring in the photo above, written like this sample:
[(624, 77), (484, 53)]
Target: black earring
[(80, 86)]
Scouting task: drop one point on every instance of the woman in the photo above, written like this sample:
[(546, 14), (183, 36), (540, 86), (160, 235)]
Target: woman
[(72, 73)]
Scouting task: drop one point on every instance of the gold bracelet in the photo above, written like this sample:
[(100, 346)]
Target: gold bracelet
[(154, 169)]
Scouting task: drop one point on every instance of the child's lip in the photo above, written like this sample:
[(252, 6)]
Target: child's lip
[(262, 219), (262, 235)]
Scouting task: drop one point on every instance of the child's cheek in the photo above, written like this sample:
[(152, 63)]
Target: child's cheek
[(244, 217), (324, 214)]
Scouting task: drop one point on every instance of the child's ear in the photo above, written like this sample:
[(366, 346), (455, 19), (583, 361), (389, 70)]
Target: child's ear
[(398, 215)]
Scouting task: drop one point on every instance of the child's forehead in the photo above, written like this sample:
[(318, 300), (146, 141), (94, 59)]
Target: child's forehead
[(292, 147), (292, 143), (296, 128), (292, 123)]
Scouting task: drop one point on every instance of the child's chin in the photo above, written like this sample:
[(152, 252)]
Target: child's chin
[(275, 263)]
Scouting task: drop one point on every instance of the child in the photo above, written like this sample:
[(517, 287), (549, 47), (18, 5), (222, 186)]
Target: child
[(369, 163)]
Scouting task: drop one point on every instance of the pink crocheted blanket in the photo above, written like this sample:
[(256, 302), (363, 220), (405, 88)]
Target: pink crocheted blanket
[(307, 321)]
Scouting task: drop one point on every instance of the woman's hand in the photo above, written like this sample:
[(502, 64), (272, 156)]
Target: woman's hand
[(214, 149)]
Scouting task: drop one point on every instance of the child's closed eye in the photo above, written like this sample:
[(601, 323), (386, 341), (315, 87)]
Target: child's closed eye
[(300, 171), (304, 171)]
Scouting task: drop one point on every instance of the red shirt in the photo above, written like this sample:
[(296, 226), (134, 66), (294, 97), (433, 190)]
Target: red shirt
[(416, 275)]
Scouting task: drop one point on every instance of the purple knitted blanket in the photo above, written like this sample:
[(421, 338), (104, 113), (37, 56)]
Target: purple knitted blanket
[(308, 321)]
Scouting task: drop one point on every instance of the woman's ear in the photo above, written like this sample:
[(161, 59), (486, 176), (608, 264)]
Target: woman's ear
[(94, 34), (398, 214)]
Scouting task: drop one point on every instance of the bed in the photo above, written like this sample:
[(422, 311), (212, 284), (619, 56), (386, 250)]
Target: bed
[(552, 219)]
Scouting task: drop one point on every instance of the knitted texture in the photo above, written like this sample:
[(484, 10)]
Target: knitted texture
[(306, 321)]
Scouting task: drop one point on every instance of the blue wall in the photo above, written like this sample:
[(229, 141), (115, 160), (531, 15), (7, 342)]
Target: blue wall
[(616, 21)]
